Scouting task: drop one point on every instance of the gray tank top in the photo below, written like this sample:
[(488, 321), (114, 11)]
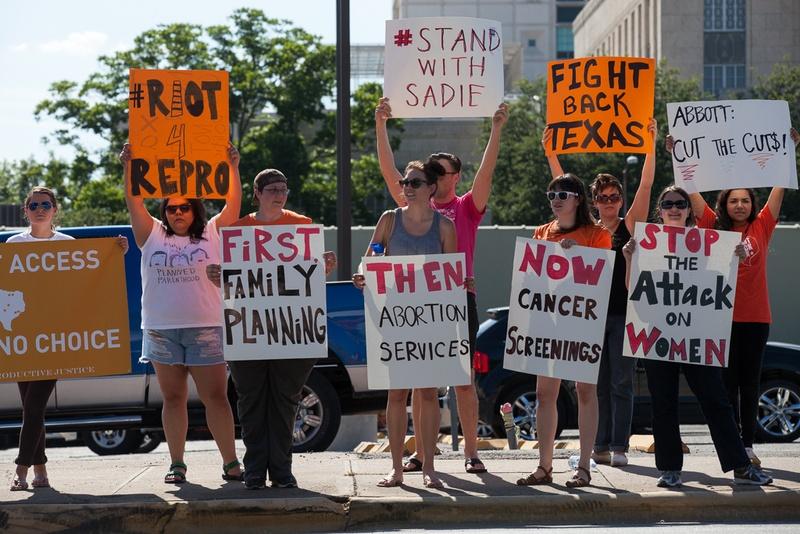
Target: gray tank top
[(401, 243)]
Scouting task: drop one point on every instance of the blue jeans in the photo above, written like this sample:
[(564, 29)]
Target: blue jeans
[(614, 390)]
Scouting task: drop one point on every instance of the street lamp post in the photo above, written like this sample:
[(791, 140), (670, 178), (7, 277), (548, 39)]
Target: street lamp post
[(343, 183), (630, 161)]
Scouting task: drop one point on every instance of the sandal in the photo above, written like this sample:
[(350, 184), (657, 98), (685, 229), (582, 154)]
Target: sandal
[(174, 476), (430, 481), (533, 480), (18, 485), (40, 483), (228, 467), (577, 480), (391, 481), (412, 465), (474, 465)]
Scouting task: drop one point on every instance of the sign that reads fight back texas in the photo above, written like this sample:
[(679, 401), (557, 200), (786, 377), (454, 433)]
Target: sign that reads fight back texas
[(178, 132), (600, 104), (63, 310)]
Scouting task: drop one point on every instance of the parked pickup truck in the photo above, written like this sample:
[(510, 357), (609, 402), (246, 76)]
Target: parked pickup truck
[(116, 414)]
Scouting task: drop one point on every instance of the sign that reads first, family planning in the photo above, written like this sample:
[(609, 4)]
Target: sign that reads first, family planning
[(63, 310), (557, 312), (178, 132), (273, 287), (680, 296), (732, 143), (415, 310), (443, 67)]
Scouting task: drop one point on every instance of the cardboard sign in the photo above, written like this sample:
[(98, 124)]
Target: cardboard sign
[(557, 312), (681, 293), (63, 310), (600, 104), (415, 309), (730, 144), (178, 132), (443, 67), (273, 288)]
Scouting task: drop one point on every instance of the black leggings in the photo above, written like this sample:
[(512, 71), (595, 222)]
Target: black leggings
[(743, 374), (34, 397)]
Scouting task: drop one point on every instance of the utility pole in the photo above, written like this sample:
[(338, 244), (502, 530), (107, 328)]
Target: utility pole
[(344, 185)]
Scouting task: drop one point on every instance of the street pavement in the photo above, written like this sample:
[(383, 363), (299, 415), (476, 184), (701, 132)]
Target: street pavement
[(338, 493)]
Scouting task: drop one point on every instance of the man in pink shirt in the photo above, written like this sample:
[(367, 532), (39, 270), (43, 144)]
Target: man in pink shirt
[(466, 211)]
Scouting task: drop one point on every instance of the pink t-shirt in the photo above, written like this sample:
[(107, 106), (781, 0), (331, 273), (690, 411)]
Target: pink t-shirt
[(464, 213)]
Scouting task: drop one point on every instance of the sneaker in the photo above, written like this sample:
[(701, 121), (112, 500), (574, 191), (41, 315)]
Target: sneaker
[(618, 459), (751, 474), (286, 482), (602, 457), (753, 458), (670, 479), (254, 483)]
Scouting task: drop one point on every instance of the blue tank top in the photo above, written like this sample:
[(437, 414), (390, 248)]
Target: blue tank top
[(401, 243)]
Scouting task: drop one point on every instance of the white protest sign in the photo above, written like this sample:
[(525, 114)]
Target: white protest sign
[(443, 67), (681, 293), (273, 288), (557, 312), (732, 144), (415, 308)]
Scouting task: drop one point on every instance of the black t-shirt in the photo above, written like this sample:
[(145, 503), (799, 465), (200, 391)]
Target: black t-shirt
[(618, 299)]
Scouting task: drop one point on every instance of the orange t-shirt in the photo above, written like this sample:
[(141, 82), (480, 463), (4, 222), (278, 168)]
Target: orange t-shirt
[(587, 236), (287, 217), (751, 304)]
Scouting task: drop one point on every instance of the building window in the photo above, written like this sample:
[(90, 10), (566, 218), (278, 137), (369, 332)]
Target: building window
[(724, 45), (565, 46), (719, 79), (531, 43), (567, 14), (723, 15)]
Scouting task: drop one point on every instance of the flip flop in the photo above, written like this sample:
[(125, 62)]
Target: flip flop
[(389, 482), (19, 485), (432, 482), (470, 466), (40, 483), (412, 465)]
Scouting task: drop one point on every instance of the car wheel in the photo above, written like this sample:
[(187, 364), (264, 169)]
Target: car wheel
[(778, 411), (105, 442), (485, 430), (523, 402), (318, 415)]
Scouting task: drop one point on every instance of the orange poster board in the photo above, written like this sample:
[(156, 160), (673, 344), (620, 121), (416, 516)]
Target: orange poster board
[(178, 132), (600, 104), (63, 310)]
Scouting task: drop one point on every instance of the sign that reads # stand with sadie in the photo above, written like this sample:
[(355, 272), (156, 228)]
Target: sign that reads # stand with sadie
[(443, 67), (557, 312), (273, 287), (63, 310), (732, 143), (680, 296), (415, 308)]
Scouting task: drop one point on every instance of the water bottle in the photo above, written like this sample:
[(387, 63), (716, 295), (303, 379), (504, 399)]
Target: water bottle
[(508, 423), (575, 459), (377, 250)]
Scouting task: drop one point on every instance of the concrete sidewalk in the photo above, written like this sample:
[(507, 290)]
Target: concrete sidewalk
[(338, 492)]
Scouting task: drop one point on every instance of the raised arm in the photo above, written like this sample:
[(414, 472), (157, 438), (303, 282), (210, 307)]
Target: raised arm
[(141, 220), (385, 156), (482, 185), (233, 200), (775, 199), (552, 157), (698, 202), (641, 201)]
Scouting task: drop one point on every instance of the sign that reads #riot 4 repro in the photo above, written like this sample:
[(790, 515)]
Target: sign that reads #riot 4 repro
[(680, 296), (443, 67), (557, 312), (415, 309), (178, 132), (273, 287), (63, 310), (730, 144), (600, 104)]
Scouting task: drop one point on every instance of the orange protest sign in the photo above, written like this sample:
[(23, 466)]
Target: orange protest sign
[(178, 132), (63, 310), (600, 104)]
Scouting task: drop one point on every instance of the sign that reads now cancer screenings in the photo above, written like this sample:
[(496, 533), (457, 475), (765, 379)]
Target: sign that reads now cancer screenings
[(273, 287), (732, 143), (415, 308), (681, 293), (557, 312), (63, 310), (600, 104), (443, 67), (178, 131)]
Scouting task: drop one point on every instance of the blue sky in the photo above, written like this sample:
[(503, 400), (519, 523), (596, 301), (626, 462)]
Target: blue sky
[(48, 40)]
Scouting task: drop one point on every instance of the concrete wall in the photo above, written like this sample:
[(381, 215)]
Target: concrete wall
[(773, 34)]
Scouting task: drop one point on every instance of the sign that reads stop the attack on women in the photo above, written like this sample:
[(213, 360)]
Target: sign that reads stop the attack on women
[(178, 132)]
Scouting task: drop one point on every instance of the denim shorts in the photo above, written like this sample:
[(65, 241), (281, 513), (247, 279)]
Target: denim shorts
[(183, 346)]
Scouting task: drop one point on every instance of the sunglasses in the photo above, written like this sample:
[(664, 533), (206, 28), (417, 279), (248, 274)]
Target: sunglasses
[(560, 195), (668, 204), (184, 208), (276, 191), (416, 183), (607, 199), (46, 206)]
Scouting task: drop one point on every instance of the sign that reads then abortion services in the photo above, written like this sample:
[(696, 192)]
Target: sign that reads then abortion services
[(681, 294), (178, 132), (415, 309), (63, 310), (600, 104), (731, 144), (273, 287), (443, 67), (557, 312)]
